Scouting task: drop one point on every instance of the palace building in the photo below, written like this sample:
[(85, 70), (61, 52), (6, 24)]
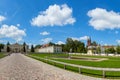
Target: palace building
[(16, 48)]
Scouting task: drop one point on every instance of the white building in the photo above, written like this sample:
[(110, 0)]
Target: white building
[(50, 49), (91, 50)]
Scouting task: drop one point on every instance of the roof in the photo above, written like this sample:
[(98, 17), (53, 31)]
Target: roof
[(108, 46), (45, 45)]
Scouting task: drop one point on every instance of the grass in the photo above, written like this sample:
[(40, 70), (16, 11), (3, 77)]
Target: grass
[(2, 55), (111, 62)]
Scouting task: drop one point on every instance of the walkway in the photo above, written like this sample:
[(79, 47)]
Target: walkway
[(20, 67)]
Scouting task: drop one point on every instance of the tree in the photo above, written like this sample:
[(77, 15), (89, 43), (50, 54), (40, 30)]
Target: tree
[(1, 46), (98, 50), (69, 44), (38, 46), (32, 48), (74, 46), (8, 48), (24, 45), (64, 48), (94, 43), (118, 49), (110, 50), (51, 44)]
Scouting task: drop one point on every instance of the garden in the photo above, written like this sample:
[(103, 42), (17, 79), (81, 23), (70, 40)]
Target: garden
[(83, 60)]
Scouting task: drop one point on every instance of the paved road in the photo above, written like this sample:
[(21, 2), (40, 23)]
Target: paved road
[(20, 67)]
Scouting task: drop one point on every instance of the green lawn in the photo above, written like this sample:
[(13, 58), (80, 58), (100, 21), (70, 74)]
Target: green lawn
[(111, 62), (2, 55)]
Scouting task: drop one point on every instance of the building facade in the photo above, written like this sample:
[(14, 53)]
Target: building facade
[(105, 47), (16, 48), (98, 49), (49, 49), (91, 49)]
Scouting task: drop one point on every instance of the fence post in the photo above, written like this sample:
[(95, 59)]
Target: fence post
[(103, 74), (64, 66), (80, 70)]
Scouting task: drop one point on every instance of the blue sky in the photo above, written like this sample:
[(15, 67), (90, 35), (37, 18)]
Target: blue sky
[(41, 21)]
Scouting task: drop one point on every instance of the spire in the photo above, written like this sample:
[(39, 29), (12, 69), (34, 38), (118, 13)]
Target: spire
[(89, 41)]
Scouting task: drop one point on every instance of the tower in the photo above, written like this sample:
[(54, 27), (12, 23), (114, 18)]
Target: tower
[(89, 42)]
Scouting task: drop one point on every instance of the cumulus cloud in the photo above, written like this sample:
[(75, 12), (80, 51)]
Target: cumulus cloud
[(81, 38), (2, 18), (46, 40), (60, 42), (44, 33), (102, 19), (11, 32), (55, 15), (118, 41)]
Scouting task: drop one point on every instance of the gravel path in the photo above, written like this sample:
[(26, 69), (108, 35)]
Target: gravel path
[(20, 67)]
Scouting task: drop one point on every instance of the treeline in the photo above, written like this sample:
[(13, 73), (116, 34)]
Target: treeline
[(74, 46), (1, 46), (70, 46), (113, 50)]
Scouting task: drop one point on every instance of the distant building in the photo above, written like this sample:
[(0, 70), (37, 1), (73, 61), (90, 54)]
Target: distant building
[(16, 48), (105, 47), (49, 49), (91, 49), (97, 49), (89, 42)]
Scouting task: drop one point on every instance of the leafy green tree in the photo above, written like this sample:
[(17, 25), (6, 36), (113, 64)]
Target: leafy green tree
[(69, 44), (32, 48), (1, 46), (81, 47), (118, 49), (24, 49), (64, 48), (74, 46), (51, 44), (98, 50), (94, 43), (8, 48), (110, 50), (38, 46)]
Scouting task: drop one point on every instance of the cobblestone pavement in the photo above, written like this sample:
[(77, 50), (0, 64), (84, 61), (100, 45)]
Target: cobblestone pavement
[(20, 67)]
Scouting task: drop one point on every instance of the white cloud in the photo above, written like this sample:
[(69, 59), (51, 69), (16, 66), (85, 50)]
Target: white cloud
[(44, 33), (18, 25), (2, 18), (102, 19), (11, 32), (118, 41), (60, 42), (81, 38), (46, 40), (3, 41), (55, 15), (106, 44)]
